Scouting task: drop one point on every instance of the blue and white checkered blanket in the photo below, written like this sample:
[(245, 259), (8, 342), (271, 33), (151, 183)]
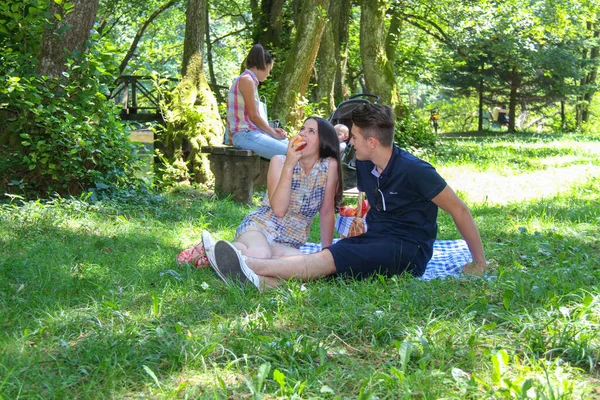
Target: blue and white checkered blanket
[(449, 256)]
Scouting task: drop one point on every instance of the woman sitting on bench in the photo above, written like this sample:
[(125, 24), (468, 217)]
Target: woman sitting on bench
[(247, 128), (307, 180)]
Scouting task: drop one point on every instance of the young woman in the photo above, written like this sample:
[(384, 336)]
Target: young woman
[(307, 180), (247, 129)]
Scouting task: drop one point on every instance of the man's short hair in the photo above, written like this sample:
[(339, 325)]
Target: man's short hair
[(375, 120)]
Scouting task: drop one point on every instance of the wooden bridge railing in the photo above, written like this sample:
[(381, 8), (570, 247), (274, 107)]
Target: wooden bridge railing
[(140, 98)]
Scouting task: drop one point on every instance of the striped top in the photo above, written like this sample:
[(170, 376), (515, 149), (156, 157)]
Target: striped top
[(237, 116)]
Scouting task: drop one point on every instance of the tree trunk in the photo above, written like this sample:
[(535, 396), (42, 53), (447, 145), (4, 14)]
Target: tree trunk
[(209, 60), (480, 93), (69, 33), (193, 120), (588, 81), (299, 65), (378, 68), (592, 76), (340, 92), (329, 58), (139, 34), (515, 83), (267, 30)]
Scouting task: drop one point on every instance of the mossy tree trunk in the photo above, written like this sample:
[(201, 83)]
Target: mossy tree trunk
[(193, 120), (377, 51), (339, 91), (289, 97), (329, 59)]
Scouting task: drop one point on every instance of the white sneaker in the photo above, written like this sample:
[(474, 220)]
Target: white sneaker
[(209, 247), (231, 266)]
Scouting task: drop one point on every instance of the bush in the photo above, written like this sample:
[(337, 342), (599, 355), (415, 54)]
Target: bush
[(60, 134), (414, 132)]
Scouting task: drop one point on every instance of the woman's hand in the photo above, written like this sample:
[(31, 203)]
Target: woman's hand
[(279, 133), (293, 154)]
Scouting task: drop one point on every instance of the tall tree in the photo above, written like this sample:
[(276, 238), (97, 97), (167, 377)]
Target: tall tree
[(343, 23), (268, 22), (591, 57), (300, 62), (328, 59), (72, 23), (193, 120), (377, 52)]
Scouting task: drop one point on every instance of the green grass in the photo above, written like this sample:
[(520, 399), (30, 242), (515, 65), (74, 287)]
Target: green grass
[(93, 305)]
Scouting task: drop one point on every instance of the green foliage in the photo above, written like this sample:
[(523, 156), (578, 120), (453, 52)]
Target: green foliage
[(414, 132), (61, 135), (21, 25)]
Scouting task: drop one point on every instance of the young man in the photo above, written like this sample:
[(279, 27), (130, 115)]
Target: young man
[(404, 193)]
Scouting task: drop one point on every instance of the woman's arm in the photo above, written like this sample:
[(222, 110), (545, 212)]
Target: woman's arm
[(246, 87), (327, 210), (279, 184)]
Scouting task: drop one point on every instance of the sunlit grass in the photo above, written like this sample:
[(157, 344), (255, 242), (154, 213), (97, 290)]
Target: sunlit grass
[(93, 305)]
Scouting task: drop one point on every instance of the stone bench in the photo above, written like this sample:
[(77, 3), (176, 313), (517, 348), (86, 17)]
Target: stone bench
[(237, 171)]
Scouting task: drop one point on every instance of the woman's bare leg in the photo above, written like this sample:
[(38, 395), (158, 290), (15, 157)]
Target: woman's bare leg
[(253, 244), (279, 250)]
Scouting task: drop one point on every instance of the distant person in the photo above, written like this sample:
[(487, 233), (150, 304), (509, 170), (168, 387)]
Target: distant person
[(433, 120), (343, 134), (404, 193), (499, 115), (304, 182), (247, 129)]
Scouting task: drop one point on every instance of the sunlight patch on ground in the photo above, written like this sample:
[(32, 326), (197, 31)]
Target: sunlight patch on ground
[(586, 147), (562, 160), (495, 188)]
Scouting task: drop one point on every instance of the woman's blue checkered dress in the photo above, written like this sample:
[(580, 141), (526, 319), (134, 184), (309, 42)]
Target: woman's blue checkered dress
[(293, 228)]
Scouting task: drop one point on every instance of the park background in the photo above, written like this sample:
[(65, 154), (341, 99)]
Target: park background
[(92, 304)]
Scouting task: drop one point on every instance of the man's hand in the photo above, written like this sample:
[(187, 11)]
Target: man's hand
[(474, 268)]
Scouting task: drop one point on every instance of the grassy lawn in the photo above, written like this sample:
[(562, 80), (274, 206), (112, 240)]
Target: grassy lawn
[(93, 305)]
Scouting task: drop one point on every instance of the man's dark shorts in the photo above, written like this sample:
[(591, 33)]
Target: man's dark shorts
[(372, 253)]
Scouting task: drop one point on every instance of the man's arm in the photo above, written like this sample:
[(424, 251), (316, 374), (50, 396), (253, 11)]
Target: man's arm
[(448, 201)]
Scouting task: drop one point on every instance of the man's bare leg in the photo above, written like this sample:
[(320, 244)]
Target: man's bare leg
[(304, 266)]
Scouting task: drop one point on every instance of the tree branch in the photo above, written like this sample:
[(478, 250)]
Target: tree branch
[(140, 32)]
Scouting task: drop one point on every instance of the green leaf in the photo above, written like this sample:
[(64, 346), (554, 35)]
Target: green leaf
[(155, 305), (500, 363), (111, 304), (279, 377), (152, 374), (507, 297), (58, 16)]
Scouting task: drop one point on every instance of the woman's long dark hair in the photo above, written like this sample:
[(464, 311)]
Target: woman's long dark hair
[(329, 146), (259, 58)]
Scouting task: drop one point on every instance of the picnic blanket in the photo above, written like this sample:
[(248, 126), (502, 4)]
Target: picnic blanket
[(449, 256)]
